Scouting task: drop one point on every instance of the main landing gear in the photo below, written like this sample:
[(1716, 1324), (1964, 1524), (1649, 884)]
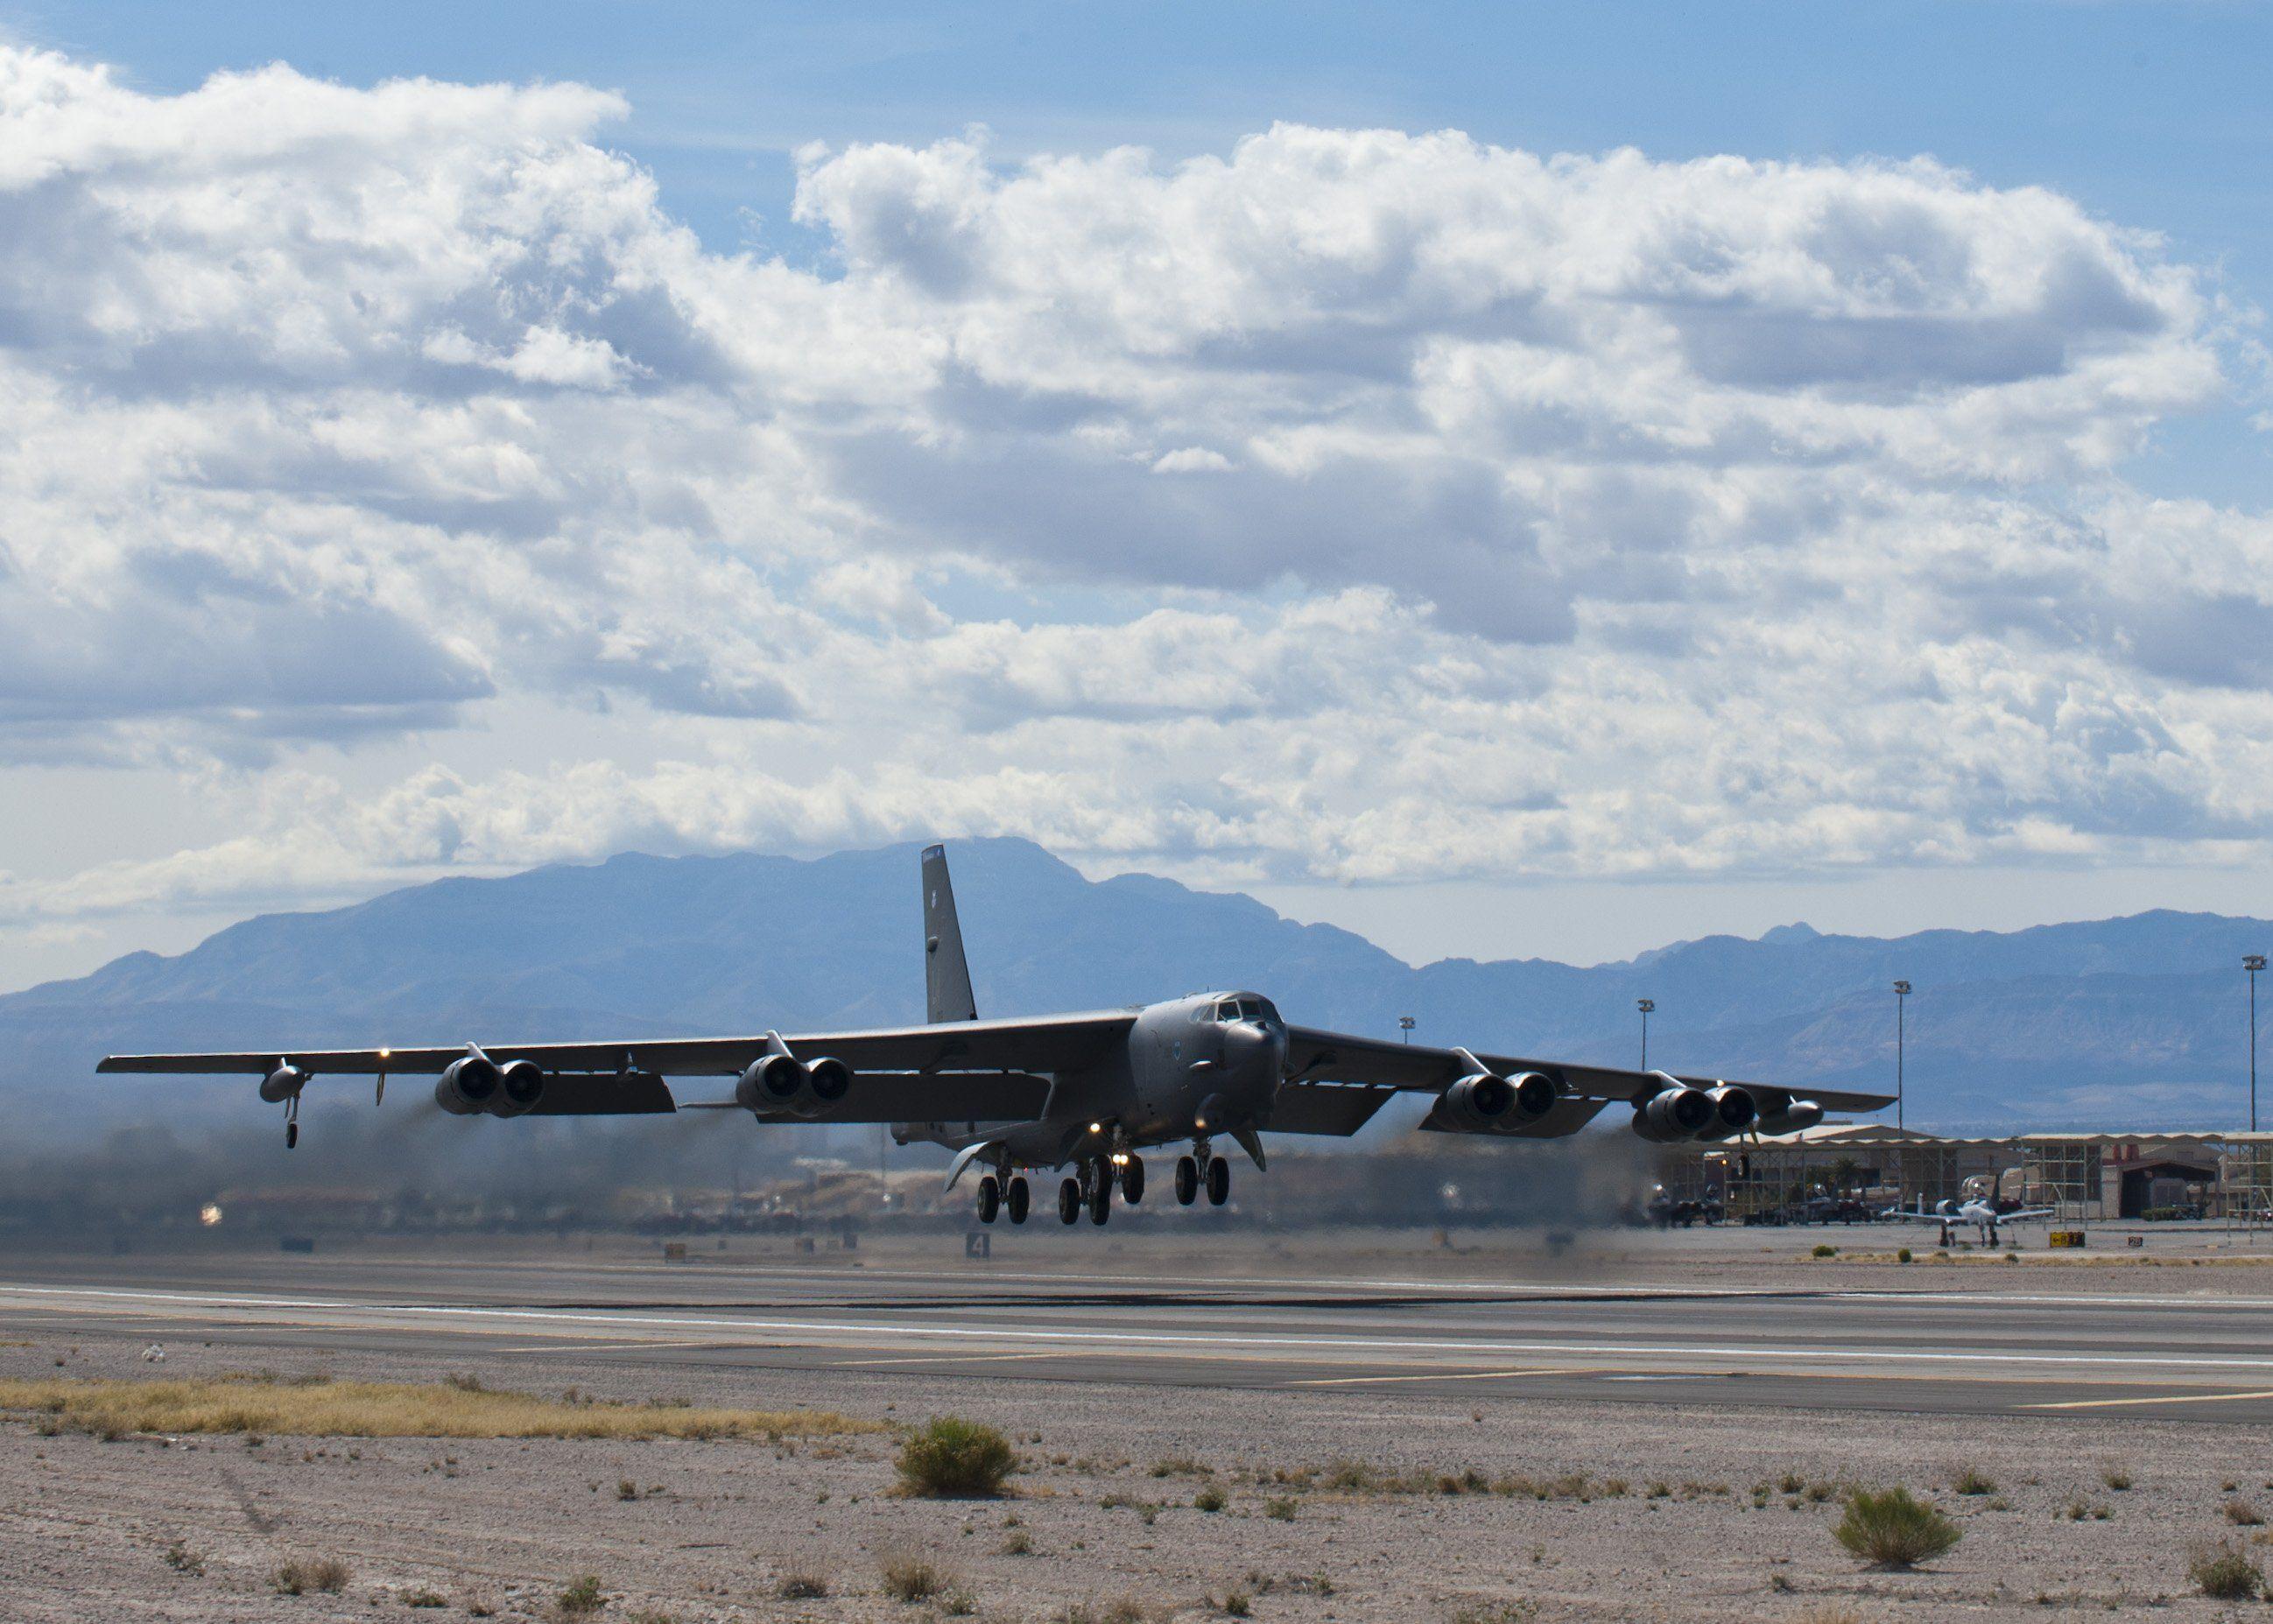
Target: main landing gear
[(1092, 1188), (994, 1195), (1189, 1178)]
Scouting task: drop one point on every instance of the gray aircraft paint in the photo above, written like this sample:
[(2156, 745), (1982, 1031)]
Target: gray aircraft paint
[(1087, 1090)]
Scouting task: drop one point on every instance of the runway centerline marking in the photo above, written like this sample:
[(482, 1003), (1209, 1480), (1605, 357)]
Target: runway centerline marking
[(2168, 1398), (1219, 1343)]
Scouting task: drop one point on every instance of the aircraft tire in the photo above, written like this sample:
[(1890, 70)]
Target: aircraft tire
[(1068, 1200), (1188, 1180), (1218, 1181), (1132, 1180), (1016, 1200), (990, 1198), (1100, 1201)]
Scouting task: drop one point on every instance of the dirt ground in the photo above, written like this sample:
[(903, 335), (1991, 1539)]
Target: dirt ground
[(1724, 1515)]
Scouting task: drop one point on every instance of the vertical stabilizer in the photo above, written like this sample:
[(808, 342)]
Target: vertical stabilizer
[(947, 975)]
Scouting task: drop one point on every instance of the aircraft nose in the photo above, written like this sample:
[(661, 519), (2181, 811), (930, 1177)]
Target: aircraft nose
[(1253, 1044)]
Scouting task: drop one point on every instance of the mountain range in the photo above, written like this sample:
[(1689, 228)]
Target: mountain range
[(2139, 1021)]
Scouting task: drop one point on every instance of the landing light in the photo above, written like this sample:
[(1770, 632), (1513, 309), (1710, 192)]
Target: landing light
[(209, 1214), (1097, 1127), (1121, 1159)]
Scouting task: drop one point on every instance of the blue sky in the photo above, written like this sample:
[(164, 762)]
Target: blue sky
[(1871, 544)]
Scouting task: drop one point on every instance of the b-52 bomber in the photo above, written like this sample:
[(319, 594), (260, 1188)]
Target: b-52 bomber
[(1080, 1095)]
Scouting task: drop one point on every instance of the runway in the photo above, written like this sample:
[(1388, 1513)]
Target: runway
[(2010, 1352)]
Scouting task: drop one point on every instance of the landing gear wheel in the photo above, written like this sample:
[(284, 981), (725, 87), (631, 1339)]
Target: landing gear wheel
[(1016, 1200), (1132, 1180), (291, 1134), (1100, 1196), (1218, 1181), (990, 1198), (1188, 1180), (1068, 1200)]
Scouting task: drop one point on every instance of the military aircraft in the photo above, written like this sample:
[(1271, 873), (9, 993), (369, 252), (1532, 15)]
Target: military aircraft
[(1081, 1094), (1979, 1210)]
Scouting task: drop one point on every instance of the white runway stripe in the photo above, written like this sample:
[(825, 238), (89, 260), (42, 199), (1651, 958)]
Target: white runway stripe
[(1715, 1353)]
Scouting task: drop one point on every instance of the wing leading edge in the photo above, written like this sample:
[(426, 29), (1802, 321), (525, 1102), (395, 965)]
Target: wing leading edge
[(1315, 1056)]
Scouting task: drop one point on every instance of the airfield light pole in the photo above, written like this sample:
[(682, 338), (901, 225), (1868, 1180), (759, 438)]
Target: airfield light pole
[(1901, 1000), (1645, 1005), (2253, 962), (1405, 1024)]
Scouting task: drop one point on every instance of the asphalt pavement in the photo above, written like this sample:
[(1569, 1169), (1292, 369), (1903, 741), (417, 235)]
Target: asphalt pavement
[(2027, 1347)]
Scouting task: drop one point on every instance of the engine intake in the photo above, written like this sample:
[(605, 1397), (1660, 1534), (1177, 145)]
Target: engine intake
[(520, 1086), (1677, 1114), (1485, 1104), (782, 1084), (466, 1087)]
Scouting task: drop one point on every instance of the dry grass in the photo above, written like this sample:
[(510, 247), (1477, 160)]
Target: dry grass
[(949, 1456), (912, 1576), (387, 1409), (1893, 1529), (328, 1575), (2224, 1572)]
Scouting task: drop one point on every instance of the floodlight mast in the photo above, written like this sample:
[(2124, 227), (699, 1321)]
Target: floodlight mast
[(1645, 1005), (1902, 1001), (2253, 962)]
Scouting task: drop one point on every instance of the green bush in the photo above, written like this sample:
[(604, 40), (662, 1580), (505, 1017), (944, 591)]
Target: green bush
[(2224, 1573), (949, 1456), (1894, 1528), (1824, 1251)]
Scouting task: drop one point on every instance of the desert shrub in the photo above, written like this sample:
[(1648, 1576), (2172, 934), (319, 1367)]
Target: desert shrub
[(949, 1455), (326, 1573), (1210, 1500), (1281, 1509), (801, 1583), (1017, 1542), (1824, 1249), (1894, 1528), (2116, 1476), (2224, 1572), (910, 1577), (581, 1599), (1972, 1480), (181, 1558), (1903, 1256), (424, 1599), (2242, 1514)]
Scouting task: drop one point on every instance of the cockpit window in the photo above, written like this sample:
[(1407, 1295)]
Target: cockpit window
[(1228, 1011)]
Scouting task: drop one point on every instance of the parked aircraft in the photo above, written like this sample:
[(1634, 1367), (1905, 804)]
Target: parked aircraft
[(1980, 1212), (1081, 1094)]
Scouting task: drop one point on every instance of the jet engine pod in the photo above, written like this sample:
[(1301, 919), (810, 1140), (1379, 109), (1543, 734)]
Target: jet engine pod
[(782, 1084), (832, 1079), (468, 1086), (1478, 1103), (1793, 1118), (1535, 1094), (521, 1085), (1675, 1115), (282, 1084), (1733, 1108)]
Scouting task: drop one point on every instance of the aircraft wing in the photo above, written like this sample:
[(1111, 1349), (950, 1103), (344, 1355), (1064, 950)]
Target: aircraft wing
[(1315, 1056), (955, 1070)]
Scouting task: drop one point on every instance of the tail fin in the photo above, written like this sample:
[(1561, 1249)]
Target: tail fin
[(947, 976)]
